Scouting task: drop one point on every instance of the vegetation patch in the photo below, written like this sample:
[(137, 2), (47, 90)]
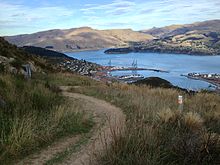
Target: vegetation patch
[(34, 115), (2, 68), (154, 82), (157, 132)]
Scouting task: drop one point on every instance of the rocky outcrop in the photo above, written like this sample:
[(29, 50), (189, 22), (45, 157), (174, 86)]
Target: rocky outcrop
[(8, 66)]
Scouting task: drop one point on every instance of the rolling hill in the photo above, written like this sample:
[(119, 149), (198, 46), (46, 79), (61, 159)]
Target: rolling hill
[(201, 38), (172, 30), (84, 38)]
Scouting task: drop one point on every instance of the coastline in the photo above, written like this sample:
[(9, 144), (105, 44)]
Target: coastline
[(213, 82), (82, 50), (114, 50), (161, 51)]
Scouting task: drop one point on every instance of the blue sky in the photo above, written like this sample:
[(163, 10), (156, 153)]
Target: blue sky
[(28, 16)]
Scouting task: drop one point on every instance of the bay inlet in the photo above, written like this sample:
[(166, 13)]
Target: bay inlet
[(176, 65)]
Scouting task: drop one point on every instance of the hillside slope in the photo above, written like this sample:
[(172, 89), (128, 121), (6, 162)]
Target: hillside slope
[(13, 58), (198, 27), (202, 38), (79, 39), (62, 62)]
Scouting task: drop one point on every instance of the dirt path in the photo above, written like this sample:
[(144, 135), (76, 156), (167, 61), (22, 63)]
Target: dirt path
[(107, 117)]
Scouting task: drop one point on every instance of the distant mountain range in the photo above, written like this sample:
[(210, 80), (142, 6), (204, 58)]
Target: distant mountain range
[(79, 39), (201, 38), (173, 30)]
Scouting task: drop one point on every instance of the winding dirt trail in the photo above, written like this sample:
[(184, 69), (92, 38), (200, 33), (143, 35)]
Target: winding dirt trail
[(107, 118)]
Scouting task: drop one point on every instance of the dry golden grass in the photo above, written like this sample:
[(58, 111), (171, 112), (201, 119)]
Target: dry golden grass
[(168, 115), (156, 131), (193, 121)]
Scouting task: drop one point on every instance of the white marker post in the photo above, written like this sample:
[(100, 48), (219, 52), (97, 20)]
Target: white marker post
[(180, 102)]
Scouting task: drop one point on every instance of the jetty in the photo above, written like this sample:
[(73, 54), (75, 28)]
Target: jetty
[(133, 67), (121, 68)]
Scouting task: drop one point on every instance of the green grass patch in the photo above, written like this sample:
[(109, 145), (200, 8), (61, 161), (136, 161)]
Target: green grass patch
[(34, 115)]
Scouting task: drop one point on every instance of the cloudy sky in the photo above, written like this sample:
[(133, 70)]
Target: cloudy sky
[(28, 16)]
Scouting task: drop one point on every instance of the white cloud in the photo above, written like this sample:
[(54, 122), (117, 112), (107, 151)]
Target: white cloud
[(136, 14), (20, 15), (115, 7), (150, 13)]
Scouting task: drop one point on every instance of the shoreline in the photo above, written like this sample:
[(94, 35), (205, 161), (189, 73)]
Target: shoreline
[(160, 52), (82, 50), (213, 82), (106, 49)]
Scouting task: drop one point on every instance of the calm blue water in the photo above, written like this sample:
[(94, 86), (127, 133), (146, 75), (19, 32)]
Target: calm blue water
[(175, 64)]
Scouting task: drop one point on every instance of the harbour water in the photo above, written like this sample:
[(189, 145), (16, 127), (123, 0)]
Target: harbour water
[(176, 64)]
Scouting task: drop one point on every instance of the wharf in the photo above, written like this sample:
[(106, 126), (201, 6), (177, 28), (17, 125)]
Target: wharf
[(134, 69)]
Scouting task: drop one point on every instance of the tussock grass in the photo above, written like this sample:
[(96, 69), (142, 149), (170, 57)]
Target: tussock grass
[(156, 131), (193, 121), (34, 115)]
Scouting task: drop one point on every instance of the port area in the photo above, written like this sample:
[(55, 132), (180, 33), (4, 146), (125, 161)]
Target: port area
[(104, 74), (129, 78), (108, 78), (121, 68), (212, 78)]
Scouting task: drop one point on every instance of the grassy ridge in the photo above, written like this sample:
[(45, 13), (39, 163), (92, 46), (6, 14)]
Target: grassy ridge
[(156, 131), (34, 114)]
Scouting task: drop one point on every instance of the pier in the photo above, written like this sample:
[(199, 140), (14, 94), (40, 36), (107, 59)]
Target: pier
[(118, 68)]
